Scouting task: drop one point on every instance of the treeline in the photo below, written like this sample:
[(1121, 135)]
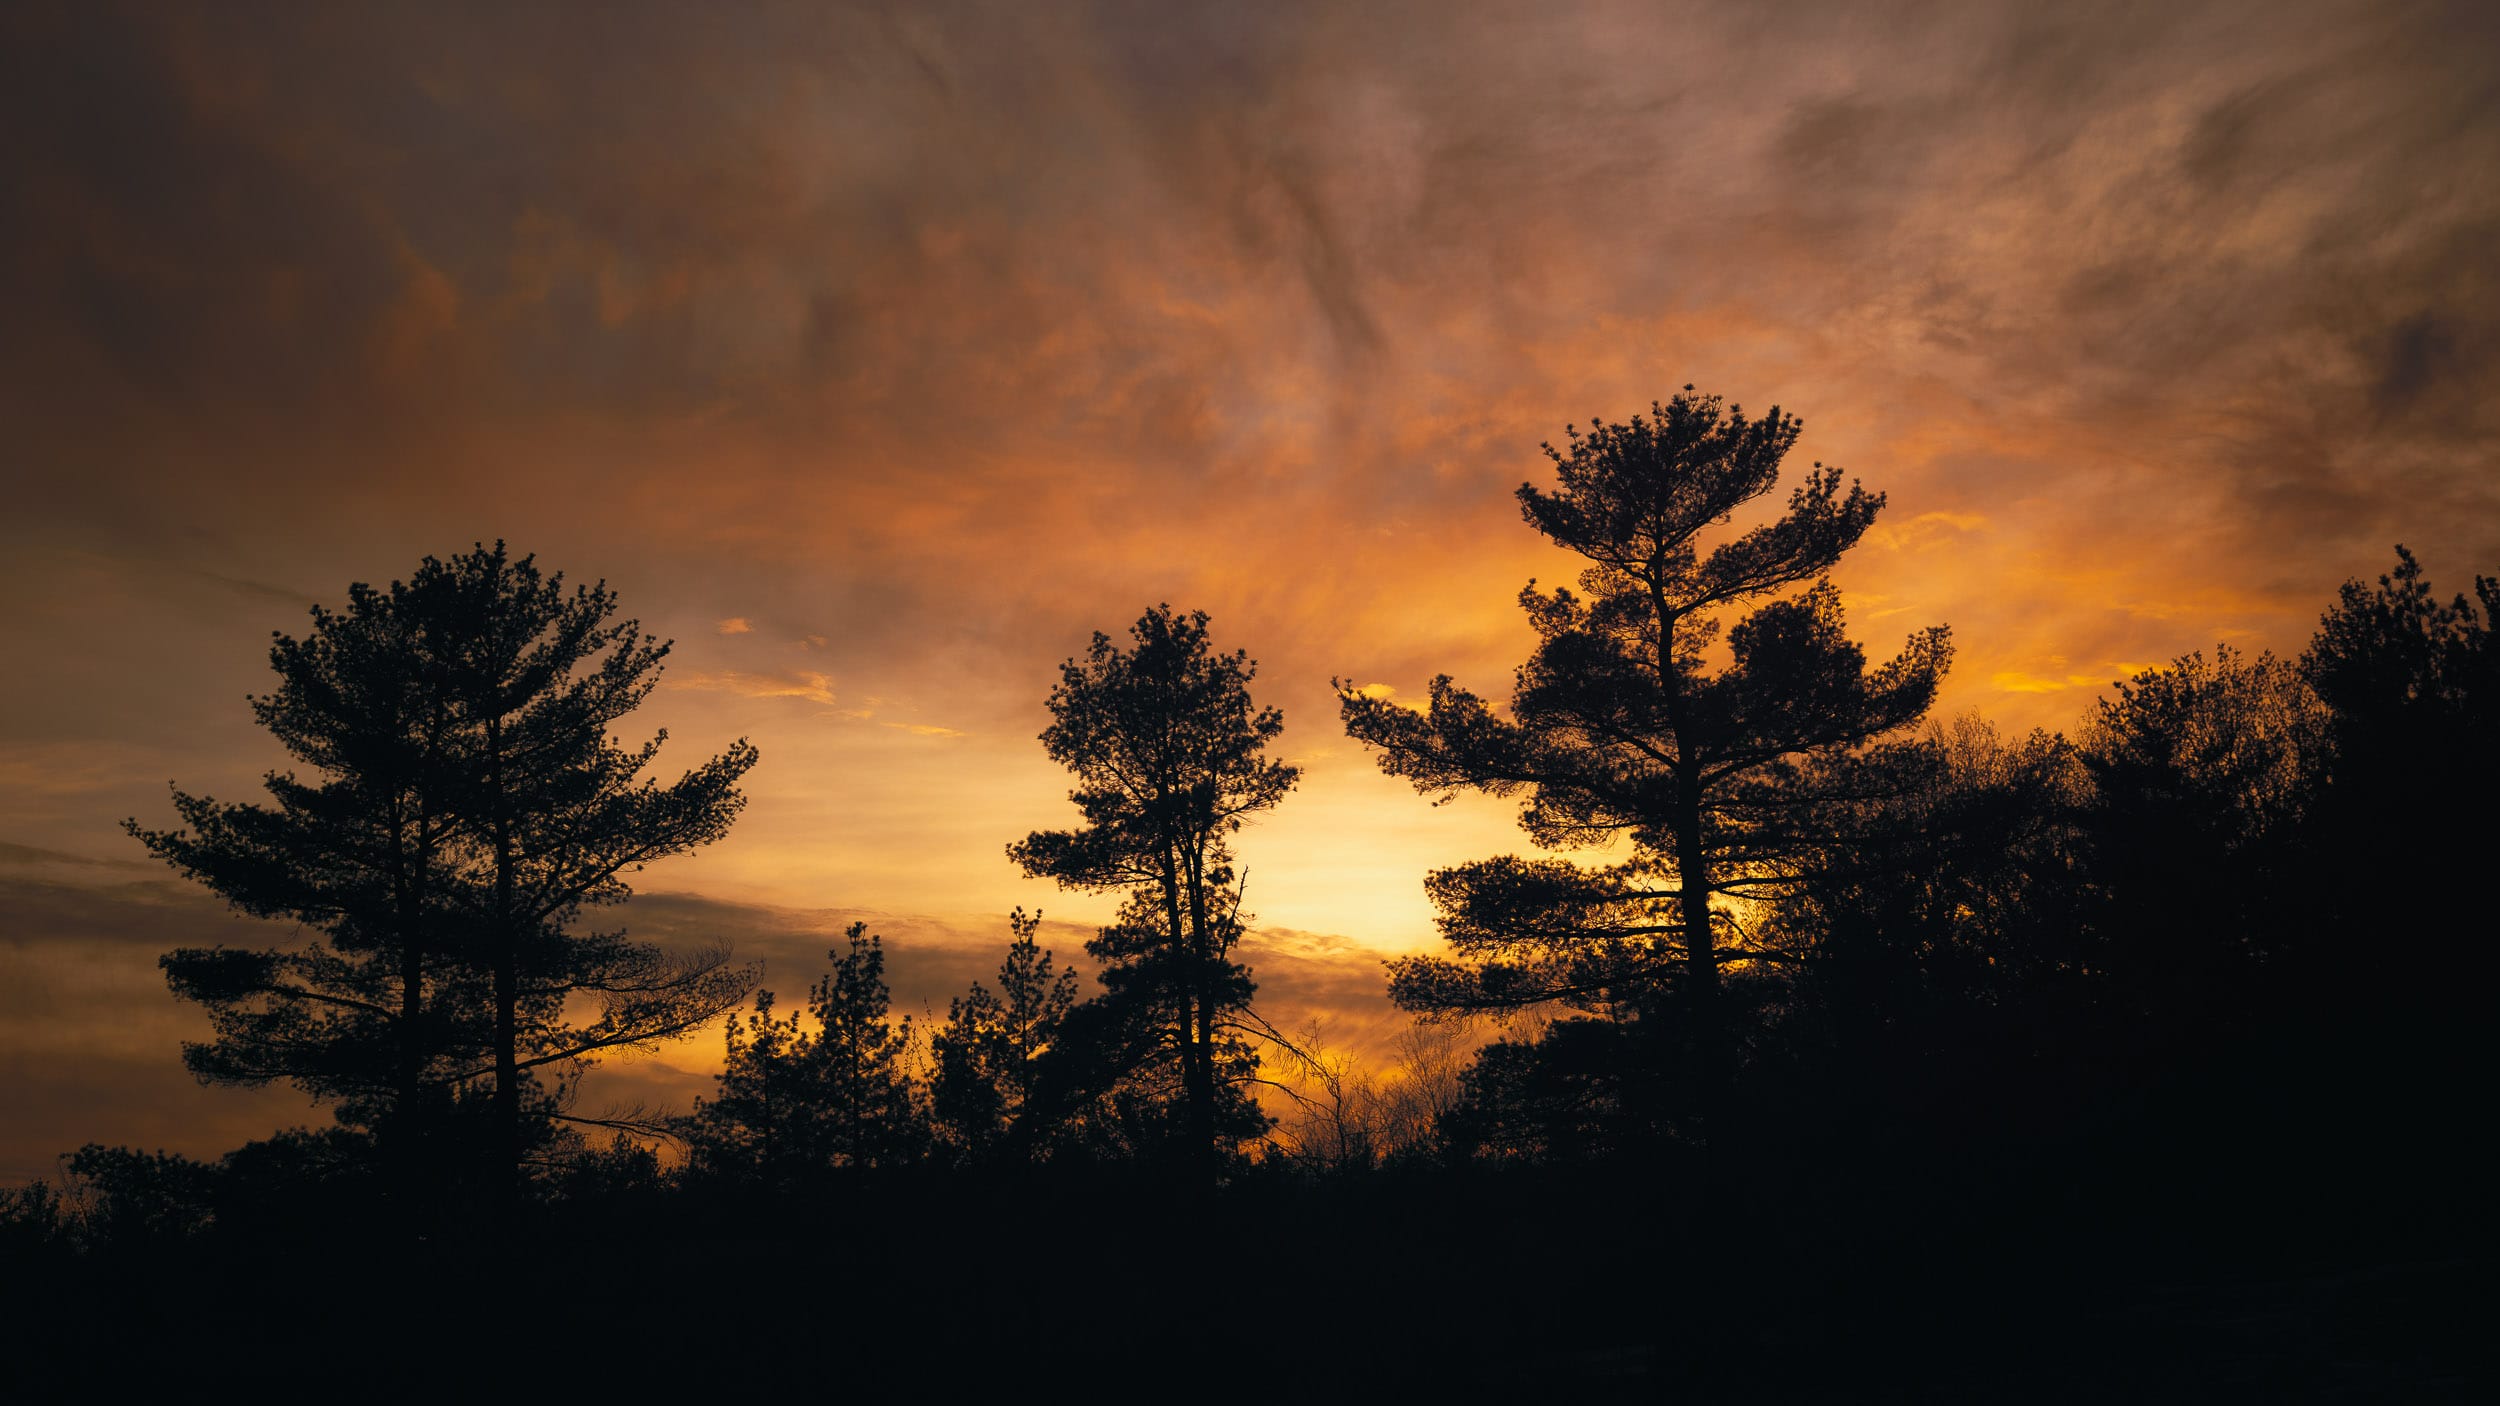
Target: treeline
[(1854, 1011)]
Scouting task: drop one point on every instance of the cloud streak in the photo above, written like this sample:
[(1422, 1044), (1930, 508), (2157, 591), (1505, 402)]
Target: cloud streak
[(90, 1041)]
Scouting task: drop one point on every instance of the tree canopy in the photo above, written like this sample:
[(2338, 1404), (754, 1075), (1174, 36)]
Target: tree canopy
[(800, 1099), (1620, 729), (467, 804), (1170, 758), (986, 1086), (1865, 1001)]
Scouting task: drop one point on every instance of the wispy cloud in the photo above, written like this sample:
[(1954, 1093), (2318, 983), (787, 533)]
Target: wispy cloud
[(807, 684), (2017, 681), (1924, 530), (940, 346)]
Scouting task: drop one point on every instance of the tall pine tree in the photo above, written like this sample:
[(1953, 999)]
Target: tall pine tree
[(1170, 758), (1620, 729), (467, 804)]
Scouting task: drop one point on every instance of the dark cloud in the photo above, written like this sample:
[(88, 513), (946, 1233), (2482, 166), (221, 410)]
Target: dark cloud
[(57, 1104), (151, 914), (90, 1040), (931, 960), (92, 1043), (18, 856)]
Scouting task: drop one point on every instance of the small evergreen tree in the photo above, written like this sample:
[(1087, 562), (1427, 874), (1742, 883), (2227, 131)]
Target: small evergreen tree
[(988, 1056), (817, 1091)]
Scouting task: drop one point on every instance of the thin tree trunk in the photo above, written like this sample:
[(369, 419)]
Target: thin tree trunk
[(1196, 1081), (1701, 956), (507, 976), (1202, 989), (405, 1170), (1692, 864)]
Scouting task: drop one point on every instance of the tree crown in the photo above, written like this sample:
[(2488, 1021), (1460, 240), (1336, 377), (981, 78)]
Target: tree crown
[(1634, 497), (1168, 751), (1617, 727)]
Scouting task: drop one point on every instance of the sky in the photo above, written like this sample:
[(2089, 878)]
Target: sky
[(880, 354)]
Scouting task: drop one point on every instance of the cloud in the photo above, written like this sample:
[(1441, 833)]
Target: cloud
[(35, 856), (734, 625), (2016, 681), (934, 343), (930, 959), (90, 1039), (807, 684), (1924, 531)]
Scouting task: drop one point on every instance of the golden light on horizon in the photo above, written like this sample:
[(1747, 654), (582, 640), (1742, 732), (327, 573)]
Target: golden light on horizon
[(879, 363)]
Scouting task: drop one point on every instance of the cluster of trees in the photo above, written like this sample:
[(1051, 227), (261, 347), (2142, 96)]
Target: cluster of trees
[(468, 804), (1154, 1070), (1811, 925), (1815, 920)]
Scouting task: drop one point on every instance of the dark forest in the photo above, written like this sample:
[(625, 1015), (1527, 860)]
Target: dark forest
[(1812, 1048)]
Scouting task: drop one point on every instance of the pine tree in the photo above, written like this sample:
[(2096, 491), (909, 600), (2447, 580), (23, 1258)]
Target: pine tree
[(1168, 750), (558, 812), (816, 1091), (380, 1013), (989, 1054), (469, 805), (1620, 730)]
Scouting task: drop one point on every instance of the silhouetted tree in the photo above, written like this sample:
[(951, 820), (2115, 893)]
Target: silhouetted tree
[(1619, 730), (471, 805), (2215, 760), (382, 1014), (2394, 662), (1169, 755), (1558, 1095), (1968, 875), (2411, 685), (1426, 1080), (801, 1097), (1344, 1117), (129, 1197), (560, 812), (1950, 956), (988, 1055)]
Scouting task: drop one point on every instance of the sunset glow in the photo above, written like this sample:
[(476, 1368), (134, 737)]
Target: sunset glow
[(879, 359)]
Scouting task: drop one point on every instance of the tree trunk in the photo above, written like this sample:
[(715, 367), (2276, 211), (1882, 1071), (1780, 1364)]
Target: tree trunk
[(1701, 957), (405, 1169), (1197, 1082), (1202, 992), (507, 978), (1692, 865)]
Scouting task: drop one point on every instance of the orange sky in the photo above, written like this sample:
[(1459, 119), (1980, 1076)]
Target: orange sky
[(878, 355)]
